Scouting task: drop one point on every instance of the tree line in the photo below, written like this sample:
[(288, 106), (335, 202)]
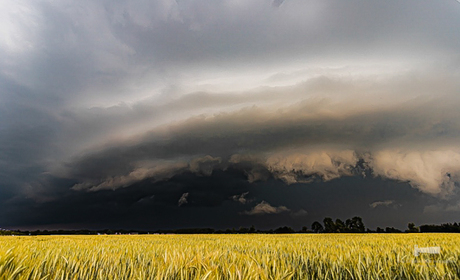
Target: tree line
[(352, 225)]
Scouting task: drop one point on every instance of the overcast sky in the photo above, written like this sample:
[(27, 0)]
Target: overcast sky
[(228, 113)]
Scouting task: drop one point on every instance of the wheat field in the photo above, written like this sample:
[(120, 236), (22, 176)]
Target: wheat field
[(244, 256)]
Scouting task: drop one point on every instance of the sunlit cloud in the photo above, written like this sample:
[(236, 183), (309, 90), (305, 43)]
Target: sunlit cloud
[(183, 199), (385, 203), (265, 208), (241, 198)]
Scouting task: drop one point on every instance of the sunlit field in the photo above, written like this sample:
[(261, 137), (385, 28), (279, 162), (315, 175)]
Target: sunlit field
[(245, 256)]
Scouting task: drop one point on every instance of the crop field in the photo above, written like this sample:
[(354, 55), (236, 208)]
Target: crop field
[(244, 256)]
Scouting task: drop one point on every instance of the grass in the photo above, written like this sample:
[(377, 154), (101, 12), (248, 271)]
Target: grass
[(245, 256)]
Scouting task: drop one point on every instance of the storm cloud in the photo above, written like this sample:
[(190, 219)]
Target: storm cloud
[(203, 108)]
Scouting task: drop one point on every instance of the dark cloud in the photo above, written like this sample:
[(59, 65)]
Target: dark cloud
[(147, 205)]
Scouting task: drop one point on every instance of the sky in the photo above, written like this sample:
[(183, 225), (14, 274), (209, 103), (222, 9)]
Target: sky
[(228, 113)]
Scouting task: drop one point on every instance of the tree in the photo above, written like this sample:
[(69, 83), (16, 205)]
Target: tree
[(329, 225), (243, 230), (340, 226), (392, 230), (317, 227), (284, 229), (368, 230), (355, 224), (412, 228)]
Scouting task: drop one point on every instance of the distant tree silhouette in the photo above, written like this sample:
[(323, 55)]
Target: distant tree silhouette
[(329, 225), (243, 230), (455, 227), (411, 228), (340, 226), (317, 227), (355, 224), (392, 230), (284, 230)]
